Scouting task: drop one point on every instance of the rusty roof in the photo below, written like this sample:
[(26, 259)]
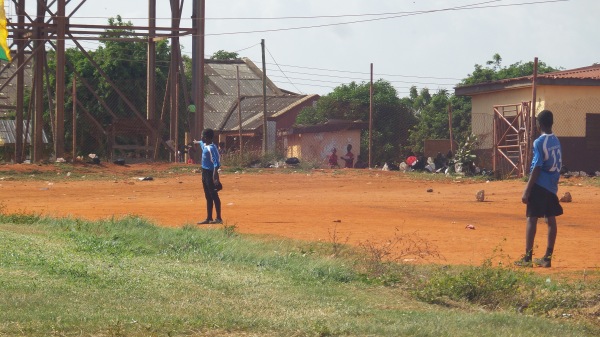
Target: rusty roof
[(220, 103), (590, 72), (585, 76)]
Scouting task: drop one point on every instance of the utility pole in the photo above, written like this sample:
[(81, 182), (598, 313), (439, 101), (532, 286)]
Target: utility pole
[(371, 119), (151, 73), (74, 95), (59, 129), (38, 89), (20, 42), (264, 68), (198, 25), (450, 126), (239, 108)]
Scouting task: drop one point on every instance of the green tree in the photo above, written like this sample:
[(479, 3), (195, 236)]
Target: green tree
[(391, 119), (224, 55), (432, 110), (494, 71)]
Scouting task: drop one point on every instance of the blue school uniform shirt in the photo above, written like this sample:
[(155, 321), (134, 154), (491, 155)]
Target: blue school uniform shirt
[(210, 156), (547, 155)]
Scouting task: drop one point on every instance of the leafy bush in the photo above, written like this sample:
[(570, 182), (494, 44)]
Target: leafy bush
[(464, 158), (483, 285)]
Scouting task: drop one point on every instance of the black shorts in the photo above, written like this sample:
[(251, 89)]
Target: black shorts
[(543, 203)]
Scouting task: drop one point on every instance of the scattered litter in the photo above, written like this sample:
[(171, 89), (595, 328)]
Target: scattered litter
[(230, 204), (469, 227), (61, 160), (68, 174), (145, 178)]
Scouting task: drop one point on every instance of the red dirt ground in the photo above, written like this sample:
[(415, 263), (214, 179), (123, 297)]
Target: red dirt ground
[(358, 205)]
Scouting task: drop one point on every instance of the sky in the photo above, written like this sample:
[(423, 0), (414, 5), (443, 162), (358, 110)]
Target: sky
[(314, 46)]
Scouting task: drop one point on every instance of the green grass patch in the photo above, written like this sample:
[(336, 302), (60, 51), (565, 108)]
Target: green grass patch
[(128, 277)]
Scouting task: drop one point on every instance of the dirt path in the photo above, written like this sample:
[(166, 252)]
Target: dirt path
[(358, 205)]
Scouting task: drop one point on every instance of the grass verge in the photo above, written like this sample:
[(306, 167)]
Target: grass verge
[(127, 277)]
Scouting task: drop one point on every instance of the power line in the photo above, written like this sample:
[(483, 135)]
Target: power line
[(401, 13), (480, 5), (366, 73), (268, 51), (321, 81), (395, 15), (366, 79)]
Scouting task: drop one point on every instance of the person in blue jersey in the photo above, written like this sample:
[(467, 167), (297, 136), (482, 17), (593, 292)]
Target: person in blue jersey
[(210, 161), (540, 193)]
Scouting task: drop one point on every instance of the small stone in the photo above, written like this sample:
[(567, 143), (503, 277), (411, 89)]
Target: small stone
[(566, 197), (430, 190), (480, 196)]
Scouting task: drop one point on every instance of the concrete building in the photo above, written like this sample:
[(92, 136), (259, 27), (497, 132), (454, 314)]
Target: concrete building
[(572, 95)]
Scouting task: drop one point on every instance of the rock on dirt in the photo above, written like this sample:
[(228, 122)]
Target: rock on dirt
[(480, 196), (566, 197)]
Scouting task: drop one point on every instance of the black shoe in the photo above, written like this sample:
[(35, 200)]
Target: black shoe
[(205, 222), (523, 262), (543, 262), (216, 221)]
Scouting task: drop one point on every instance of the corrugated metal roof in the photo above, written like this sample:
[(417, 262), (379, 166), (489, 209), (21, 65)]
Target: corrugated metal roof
[(8, 132), (252, 108), (220, 103), (8, 96)]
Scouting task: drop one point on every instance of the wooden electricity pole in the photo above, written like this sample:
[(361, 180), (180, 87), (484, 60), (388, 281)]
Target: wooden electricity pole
[(264, 83)]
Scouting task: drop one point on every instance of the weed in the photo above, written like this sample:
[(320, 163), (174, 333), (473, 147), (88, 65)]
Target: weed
[(403, 247), (484, 285), (18, 218), (229, 230), (337, 243)]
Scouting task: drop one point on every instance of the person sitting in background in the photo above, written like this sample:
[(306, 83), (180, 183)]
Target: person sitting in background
[(419, 165), (360, 163), (411, 160), (439, 161)]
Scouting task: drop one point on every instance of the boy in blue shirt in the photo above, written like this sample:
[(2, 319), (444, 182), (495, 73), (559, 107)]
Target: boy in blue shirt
[(210, 176), (540, 192)]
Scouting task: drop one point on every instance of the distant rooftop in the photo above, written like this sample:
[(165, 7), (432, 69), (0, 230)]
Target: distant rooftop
[(585, 76)]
